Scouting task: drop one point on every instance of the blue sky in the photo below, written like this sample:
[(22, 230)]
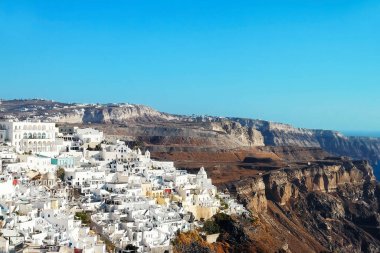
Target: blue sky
[(309, 63)]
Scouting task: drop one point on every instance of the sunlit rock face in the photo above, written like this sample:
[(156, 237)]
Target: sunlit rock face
[(332, 205), (281, 185), (252, 193)]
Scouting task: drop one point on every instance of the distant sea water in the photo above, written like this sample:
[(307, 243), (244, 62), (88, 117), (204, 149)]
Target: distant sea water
[(375, 134), (376, 171)]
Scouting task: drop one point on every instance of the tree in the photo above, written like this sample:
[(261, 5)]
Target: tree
[(61, 173), (211, 227), (84, 217)]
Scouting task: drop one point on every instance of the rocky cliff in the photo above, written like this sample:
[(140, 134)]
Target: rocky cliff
[(277, 134), (330, 205)]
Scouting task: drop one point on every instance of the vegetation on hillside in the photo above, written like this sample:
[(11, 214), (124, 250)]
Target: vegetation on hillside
[(61, 173), (84, 217), (211, 227)]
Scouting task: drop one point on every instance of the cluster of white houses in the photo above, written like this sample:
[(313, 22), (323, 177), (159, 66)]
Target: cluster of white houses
[(64, 189)]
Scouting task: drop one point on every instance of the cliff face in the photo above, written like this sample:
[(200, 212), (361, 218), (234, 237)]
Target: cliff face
[(81, 113), (112, 114), (124, 113), (277, 134), (329, 205)]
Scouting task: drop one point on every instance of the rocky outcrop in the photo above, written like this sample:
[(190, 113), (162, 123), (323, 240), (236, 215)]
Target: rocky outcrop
[(321, 176), (330, 205), (277, 134), (114, 114), (252, 193), (248, 136), (81, 113)]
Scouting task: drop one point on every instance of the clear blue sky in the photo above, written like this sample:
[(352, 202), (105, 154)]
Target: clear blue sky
[(310, 63)]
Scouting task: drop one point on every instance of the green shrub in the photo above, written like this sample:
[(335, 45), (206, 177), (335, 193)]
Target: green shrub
[(61, 173), (84, 217), (211, 227)]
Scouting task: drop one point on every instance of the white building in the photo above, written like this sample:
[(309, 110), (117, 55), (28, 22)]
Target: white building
[(8, 187), (86, 178), (28, 136), (89, 135)]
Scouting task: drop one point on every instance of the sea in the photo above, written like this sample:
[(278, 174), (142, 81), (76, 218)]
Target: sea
[(376, 171), (374, 134)]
